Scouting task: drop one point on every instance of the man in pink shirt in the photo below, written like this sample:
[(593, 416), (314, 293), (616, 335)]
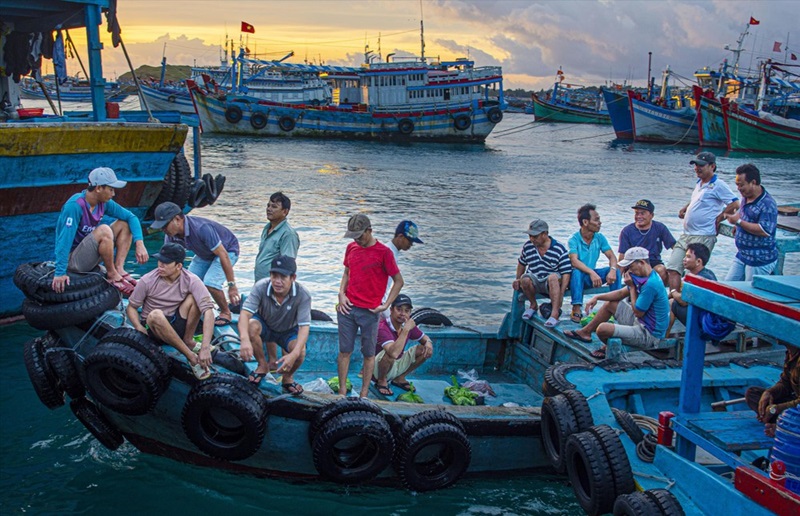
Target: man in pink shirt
[(172, 300), (368, 265)]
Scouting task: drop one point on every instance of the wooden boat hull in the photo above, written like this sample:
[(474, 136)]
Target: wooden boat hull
[(751, 133), (547, 112), (619, 112), (71, 96), (168, 100), (712, 126), (656, 124)]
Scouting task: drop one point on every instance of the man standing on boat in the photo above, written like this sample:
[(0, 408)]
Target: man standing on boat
[(405, 235), (172, 300), (215, 248), (648, 233), (368, 265), (278, 237), (543, 267), (711, 200), (585, 247), (277, 312), (640, 308), (756, 223), (80, 218)]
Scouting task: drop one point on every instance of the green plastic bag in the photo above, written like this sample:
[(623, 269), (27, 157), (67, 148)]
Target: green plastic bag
[(586, 320), (410, 397), (333, 383)]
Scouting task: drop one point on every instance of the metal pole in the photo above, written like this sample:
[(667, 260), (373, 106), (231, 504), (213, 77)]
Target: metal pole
[(649, 82)]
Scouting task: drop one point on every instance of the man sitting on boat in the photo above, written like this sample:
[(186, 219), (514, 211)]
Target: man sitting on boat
[(756, 223), (694, 262), (711, 200), (172, 300), (648, 233), (215, 247), (585, 247), (543, 268), (769, 403), (277, 311), (642, 321), (80, 218), (393, 362)]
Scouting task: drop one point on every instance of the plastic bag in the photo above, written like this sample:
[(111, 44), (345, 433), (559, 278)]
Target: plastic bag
[(467, 376), (318, 385), (587, 319), (469, 380)]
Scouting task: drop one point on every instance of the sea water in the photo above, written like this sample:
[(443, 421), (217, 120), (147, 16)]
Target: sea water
[(472, 203)]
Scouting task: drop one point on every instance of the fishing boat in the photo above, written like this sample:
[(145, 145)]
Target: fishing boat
[(404, 99), (45, 159), (711, 123), (761, 131), (73, 90), (570, 103), (619, 111)]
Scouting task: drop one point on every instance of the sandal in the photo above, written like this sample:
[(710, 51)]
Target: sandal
[(255, 378), (406, 386), (599, 354), (125, 288), (384, 390), (576, 316), (129, 279), (572, 335), (292, 388), (221, 321)]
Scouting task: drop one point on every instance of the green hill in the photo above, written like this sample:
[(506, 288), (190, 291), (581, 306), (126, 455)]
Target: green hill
[(174, 73)]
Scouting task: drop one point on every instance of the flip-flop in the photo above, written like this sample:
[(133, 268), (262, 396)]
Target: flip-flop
[(292, 388), (125, 288), (572, 335), (406, 386), (255, 378), (221, 321), (599, 353), (384, 390), (129, 279)]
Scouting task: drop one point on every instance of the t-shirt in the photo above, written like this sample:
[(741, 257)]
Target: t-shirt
[(283, 240), (653, 301), (370, 268), (154, 292), (279, 317), (755, 250), (387, 334), (653, 239), (707, 273), (202, 236), (708, 201), (555, 259), (588, 253)]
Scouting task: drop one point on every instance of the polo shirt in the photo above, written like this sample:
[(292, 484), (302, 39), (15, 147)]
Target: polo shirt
[(202, 236), (387, 334), (280, 317), (654, 239), (283, 240), (154, 292), (755, 250), (588, 254), (708, 201), (555, 259)]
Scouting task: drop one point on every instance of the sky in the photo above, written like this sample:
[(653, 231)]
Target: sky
[(593, 42)]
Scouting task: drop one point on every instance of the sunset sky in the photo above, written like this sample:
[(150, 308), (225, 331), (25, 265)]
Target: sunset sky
[(593, 41)]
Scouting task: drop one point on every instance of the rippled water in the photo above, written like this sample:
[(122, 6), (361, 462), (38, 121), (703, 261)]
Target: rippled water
[(472, 205)]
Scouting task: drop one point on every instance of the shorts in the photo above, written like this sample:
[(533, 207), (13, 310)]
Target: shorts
[(281, 338), (629, 330), (675, 262), (178, 324), (349, 325), (400, 365), (210, 271), (540, 285), (85, 257)]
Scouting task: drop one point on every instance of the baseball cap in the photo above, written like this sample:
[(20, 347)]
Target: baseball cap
[(703, 159), (356, 226), (402, 300), (409, 230), (284, 265), (104, 176), (170, 253), (633, 254), (644, 204), (536, 227), (165, 212)]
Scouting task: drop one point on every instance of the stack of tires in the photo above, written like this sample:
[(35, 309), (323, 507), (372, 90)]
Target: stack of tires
[(179, 187)]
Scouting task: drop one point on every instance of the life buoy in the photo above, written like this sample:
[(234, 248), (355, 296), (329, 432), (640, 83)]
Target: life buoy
[(580, 407), (338, 407), (462, 122), (617, 459), (555, 378), (64, 364), (97, 424), (225, 417), (123, 378), (353, 447), (558, 423), (233, 114), (258, 120), (587, 469), (286, 123), (635, 504), (35, 281), (405, 126), (42, 379), (62, 315), (627, 423), (494, 115), (430, 316), (171, 98), (434, 456)]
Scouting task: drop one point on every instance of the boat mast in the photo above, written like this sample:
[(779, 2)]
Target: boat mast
[(737, 53), (163, 65), (762, 87), (421, 33)]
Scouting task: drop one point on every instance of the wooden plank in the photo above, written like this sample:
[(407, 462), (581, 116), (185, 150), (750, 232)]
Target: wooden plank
[(788, 211), (766, 492), (788, 286), (739, 294), (731, 431)]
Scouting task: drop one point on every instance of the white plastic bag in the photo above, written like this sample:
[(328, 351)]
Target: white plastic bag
[(318, 385)]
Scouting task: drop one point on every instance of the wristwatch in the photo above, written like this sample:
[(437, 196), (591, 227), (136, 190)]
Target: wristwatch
[(231, 283), (739, 222)]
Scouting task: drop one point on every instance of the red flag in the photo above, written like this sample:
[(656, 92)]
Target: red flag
[(776, 47), (794, 57), (246, 27), (753, 21)]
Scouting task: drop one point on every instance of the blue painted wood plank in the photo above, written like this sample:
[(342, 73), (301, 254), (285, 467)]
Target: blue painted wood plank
[(732, 431), (788, 286)]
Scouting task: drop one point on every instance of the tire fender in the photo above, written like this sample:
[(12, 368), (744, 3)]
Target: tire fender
[(286, 123), (97, 424), (462, 122), (74, 313), (233, 114), (434, 456), (494, 115), (338, 407), (587, 469), (558, 423), (258, 120), (40, 374), (430, 316), (66, 365), (405, 126)]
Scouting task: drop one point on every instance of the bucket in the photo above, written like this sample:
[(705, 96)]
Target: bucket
[(787, 447), (112, 110)]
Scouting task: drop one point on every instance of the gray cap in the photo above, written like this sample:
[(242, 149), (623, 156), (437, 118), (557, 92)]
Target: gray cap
[(165, 212), (356, 226), (536, 227), (104, 176), (633, 254), (703, 159)]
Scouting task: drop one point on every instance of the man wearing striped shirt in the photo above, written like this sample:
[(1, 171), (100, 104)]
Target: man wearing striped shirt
[(543, 268)]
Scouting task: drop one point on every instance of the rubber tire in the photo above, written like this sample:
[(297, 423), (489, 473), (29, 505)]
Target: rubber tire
[(462, 122), (63, 315), (230, 360), (426, 418), (558, 424), (183, 180), (258, 121), (167, 190), (123, 378), (666, 502), (587, 469), (35, 281), (42, 378), (225, 417), (198, 199), (144, 344), (338, 407), (628, 424), (315, 102), (438, 471), (66, 365), (555, 377), (635, 504), (430, 316), (359, 463), (219, 181), (211, 188), (405, 126), (233, 114), (580, 407), (286, 123), (617, 458), (171, 98), (494, 115), (97, 424), (319, 315)]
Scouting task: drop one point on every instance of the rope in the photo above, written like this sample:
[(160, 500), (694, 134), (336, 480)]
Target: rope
[(646, 449)]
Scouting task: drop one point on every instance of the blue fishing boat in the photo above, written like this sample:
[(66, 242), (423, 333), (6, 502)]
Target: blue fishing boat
[(619, 111), (73, 90)]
